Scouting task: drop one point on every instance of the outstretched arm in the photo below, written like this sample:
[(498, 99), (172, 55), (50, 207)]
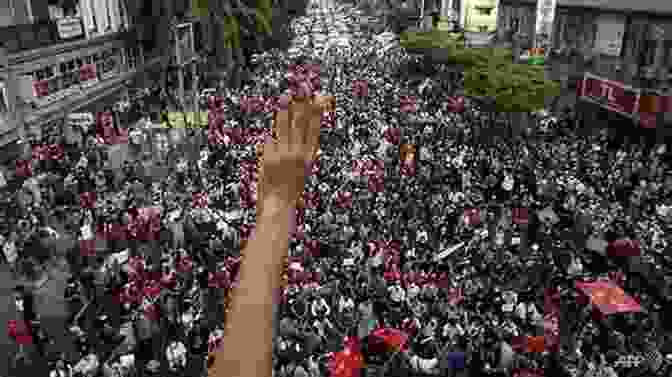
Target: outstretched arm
[(248, 348)]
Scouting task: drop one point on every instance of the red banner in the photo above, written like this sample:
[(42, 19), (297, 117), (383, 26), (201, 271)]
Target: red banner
[(41, 88), (650, 106), (612, 95), (87, 72)]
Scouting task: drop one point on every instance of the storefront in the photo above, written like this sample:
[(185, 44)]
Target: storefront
[(632, 113)]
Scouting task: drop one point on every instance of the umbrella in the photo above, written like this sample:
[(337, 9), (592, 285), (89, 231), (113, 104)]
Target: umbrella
[(608, 298)]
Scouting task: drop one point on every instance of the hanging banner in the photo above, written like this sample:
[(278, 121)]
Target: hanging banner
[(612, 95), (610, 32), (543, 29)]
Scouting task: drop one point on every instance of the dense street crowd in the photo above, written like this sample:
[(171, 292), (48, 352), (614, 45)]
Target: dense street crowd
[(425, 242)]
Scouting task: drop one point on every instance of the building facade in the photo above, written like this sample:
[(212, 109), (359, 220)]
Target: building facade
[(621, 43), (71, 56)]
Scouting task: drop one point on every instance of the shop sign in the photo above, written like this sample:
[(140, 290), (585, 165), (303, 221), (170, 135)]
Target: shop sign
[(612, 95), (69, 27), (81, 119)]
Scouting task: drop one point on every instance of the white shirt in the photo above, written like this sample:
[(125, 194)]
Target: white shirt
[(508, 183), (397, 293), (61, 373), (575, 267), (319, 304), (510, 299), (176, 354), (9, 249), (88, 365), (426, 366), (345, 304), (87, 232), (452, 330), (413, 291)]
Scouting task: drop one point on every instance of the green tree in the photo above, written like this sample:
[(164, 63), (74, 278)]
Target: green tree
[(489, 73), (234, 24)]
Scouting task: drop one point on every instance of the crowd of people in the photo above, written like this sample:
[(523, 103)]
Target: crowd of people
[(415, 221)]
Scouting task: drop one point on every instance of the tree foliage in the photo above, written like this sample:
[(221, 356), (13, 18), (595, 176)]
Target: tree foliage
[(489, 72), (239, 19)]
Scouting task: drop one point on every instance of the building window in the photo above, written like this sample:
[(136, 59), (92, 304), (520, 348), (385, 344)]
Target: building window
[(4, 99), (107, 63), (667, 62), (647, 54), (133, 57), (55, 82)]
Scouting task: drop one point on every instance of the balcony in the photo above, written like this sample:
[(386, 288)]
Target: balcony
[(20, 38), (28, 42)]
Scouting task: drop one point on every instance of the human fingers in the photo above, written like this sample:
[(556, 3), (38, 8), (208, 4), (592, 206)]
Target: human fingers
[(304, 112), (302, 117), (313, 132), (282, 121)]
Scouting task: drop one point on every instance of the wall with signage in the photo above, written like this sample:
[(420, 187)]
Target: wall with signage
[(56, 81), (479, 15), (611, 95), (610, 34), (544, 22)]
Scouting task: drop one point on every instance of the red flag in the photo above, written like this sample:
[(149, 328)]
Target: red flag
[(392, 135), (152, 289), (24, 168), (55, 152), (455, 295), (348, 362), (41, 88), (152, 312), (220, 279), (312, 247), (344, 199), (360, 88), (392, 275), (87, 248), (199, 200), (624, 248), (617, 277), (314, 167), (519, 343), (87, 200), (40, 152), (535, 344), (472, 216), (394, 340), (19, 331), (521, 216), (455, 104), (184, 264), (408, 104), (527, 372)]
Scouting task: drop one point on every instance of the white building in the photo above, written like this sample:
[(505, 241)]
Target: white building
[(64, 56)]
